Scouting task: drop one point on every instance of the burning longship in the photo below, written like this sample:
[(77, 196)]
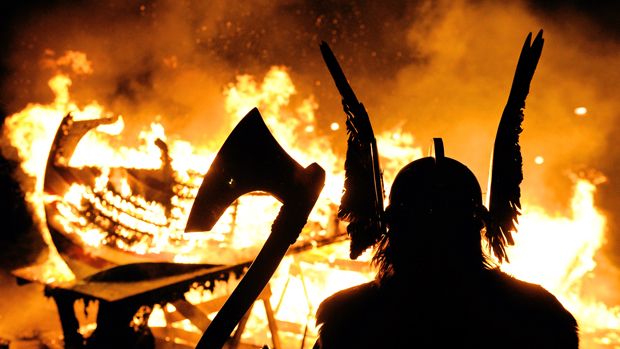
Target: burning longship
[(250, 160), (115, 216)]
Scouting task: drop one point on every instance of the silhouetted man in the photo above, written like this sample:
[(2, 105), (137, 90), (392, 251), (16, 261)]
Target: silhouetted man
[(435, 288)]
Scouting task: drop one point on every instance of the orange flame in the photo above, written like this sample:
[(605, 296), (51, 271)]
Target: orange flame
[(554, 251), (558, 253)]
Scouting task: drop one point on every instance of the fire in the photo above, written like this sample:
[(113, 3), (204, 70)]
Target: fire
[(558, 252), (552, 250), (30, 132)]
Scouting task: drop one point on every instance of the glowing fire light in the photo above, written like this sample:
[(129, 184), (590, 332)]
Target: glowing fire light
[(558, 252), (536, 256), (539, 160)]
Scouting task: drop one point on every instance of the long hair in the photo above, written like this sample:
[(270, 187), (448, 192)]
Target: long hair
[(434, 220), (457, 238)]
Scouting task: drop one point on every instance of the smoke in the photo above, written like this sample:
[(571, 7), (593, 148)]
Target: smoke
[(458, 88), (460, 91), (436, 69)]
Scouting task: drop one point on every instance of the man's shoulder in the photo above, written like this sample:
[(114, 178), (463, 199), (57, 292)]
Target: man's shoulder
[(532, 304), (518, 290), (347, 301)]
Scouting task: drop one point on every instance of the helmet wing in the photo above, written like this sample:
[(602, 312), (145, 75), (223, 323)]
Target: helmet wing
[(504, 194)]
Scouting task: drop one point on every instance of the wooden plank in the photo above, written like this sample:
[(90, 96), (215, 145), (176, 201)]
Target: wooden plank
[(192, 313), (171, 333), (292, 327), (212, 305), (271, 320)]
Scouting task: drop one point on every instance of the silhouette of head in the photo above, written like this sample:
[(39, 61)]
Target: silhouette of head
[(431, 190), (434, 217)]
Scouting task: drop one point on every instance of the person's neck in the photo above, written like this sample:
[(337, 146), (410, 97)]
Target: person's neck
[(444, 272)]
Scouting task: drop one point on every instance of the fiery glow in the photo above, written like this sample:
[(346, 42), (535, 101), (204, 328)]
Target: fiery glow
[(569, 238), (293, 129), (552, 250), (30, 132), (151, 228), (558, 252), (398, 148)]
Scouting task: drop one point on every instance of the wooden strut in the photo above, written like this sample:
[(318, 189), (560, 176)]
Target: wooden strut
[(235, 341)]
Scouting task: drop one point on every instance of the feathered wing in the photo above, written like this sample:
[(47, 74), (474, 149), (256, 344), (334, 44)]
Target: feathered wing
[(362, 201), (504, 194), (358, 204)]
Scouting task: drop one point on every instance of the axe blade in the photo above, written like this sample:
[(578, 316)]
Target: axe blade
[(250, 160)]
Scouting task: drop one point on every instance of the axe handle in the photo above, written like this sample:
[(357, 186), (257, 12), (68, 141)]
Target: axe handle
[(286, 228)]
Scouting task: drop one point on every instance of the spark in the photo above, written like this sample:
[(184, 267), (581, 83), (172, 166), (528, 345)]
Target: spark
[(581, 111)]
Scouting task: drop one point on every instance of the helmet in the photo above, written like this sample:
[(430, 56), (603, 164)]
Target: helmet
[(438, 187), (434, 216)]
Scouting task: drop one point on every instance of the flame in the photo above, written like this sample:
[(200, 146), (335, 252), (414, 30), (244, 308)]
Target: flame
[(559, 252), (293, 128), (30, 132), (552, 250)]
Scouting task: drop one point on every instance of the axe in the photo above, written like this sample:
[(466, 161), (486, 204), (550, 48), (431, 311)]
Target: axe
[(252, 160)]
